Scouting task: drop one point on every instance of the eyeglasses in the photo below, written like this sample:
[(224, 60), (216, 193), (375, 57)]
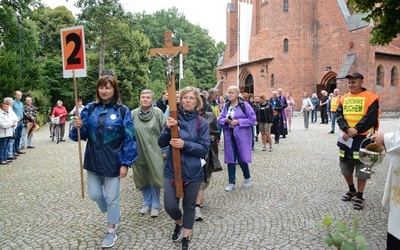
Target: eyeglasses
[(190, 98)]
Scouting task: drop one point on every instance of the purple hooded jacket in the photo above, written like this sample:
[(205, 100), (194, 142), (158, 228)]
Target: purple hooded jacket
[(242, 132)]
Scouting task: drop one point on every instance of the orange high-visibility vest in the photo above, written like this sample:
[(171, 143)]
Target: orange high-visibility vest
[(334, 103), (355, 107)]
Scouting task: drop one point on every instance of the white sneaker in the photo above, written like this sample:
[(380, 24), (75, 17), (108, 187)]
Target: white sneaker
[(110, 238), (270, 149), (145, 210), (198, 216), (247, 183), (230, 187), (264, 149), (154, 212)]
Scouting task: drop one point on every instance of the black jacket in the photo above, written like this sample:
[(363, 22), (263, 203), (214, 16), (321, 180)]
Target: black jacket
[(162, 105)]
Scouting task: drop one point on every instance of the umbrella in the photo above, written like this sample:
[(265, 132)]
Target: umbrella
[(30, 126)]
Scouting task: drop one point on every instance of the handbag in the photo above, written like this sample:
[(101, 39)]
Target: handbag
[(309, 108)]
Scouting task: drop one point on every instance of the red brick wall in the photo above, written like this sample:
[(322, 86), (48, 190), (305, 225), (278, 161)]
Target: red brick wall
[(318, 37)]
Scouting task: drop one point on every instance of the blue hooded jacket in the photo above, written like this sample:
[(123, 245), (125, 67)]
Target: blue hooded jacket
[(110, 136), (194, 130)]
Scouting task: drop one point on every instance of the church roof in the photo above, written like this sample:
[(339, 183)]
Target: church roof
[(389, 49)]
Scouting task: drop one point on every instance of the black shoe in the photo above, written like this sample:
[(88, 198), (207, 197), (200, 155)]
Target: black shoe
[(256, 139), (11, 158), (331, 132), (62, 140), (30, 147), (185, 243), (177, 234), (284, 136), (276, 142)]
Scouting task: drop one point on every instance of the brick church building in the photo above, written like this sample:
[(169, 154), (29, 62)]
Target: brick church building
[(308, 46)]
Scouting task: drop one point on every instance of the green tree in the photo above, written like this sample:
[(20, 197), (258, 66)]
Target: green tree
[(100, 17), (188, 80), (18, 46), (386, 14), (114, 44), (221, 49), (49, 22), (203, 55)]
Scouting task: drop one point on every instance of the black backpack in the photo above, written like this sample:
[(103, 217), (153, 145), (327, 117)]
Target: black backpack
[(241, 105)]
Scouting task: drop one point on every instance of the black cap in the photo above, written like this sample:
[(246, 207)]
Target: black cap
[(356, 76)]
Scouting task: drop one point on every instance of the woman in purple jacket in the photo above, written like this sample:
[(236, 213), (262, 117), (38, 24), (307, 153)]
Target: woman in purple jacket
[(236, 119)]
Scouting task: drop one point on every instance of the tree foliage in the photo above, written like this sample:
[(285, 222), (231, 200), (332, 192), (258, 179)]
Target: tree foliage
[(115, 40), (19, 67), (203, 53), (386, 14)]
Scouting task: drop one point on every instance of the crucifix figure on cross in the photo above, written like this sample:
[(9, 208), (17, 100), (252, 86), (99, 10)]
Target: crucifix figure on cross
[(169, 68), (166, 53)]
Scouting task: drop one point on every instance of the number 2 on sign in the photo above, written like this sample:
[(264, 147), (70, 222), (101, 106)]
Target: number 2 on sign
[(73, 51), (72, 58)]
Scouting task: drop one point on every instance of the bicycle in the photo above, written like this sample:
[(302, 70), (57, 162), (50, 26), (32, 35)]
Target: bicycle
[(55, 121), (70, 119)]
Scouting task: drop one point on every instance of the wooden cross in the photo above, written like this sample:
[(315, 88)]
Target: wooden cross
[(168, 53)]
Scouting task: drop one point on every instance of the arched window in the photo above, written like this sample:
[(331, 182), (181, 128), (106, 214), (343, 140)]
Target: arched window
[(249, 85), (285, 45), (272, 80), (285, 5), (379, 75), (394, 74)]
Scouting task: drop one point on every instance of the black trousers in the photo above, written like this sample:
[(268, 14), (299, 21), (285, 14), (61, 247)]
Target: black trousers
[(392, 242)]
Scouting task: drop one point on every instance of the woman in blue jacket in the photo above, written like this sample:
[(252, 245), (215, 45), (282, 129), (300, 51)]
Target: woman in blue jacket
[(194, 143), (107, 126)]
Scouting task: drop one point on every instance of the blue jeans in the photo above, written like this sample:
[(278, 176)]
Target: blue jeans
[(151, 196), (232, 166), (333, 121), (314, 115), (171, 203), (3, 148), (105, 192), (18, 134), (253, 137), (10, 146)]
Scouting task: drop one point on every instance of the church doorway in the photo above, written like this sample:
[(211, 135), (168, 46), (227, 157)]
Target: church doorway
[(331, 85), (249, 85)]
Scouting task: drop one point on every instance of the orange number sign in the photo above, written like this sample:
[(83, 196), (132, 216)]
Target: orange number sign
[(73, 51)]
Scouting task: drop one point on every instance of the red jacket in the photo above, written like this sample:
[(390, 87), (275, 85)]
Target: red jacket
[(60, 110)]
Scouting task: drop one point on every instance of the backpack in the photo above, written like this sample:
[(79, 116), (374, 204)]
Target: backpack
[(240, 103), (122, 107)]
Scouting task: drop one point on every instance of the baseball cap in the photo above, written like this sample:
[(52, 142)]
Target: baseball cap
[(355, 75)]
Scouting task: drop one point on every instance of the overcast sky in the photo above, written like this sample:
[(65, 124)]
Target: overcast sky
[(209, 14)]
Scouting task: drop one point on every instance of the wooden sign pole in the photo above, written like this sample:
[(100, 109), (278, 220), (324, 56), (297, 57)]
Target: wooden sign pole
[(168, 53), (79, 135)]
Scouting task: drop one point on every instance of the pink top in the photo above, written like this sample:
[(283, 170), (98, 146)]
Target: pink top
[(290, 103)]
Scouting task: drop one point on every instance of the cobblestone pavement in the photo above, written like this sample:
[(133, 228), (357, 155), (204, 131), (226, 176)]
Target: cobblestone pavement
[(293, 187)]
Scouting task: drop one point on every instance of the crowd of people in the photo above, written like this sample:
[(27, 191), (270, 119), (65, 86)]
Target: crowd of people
[(17, 124), (141, 139)]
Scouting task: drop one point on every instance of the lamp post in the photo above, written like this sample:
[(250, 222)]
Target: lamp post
[(20, 47)]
